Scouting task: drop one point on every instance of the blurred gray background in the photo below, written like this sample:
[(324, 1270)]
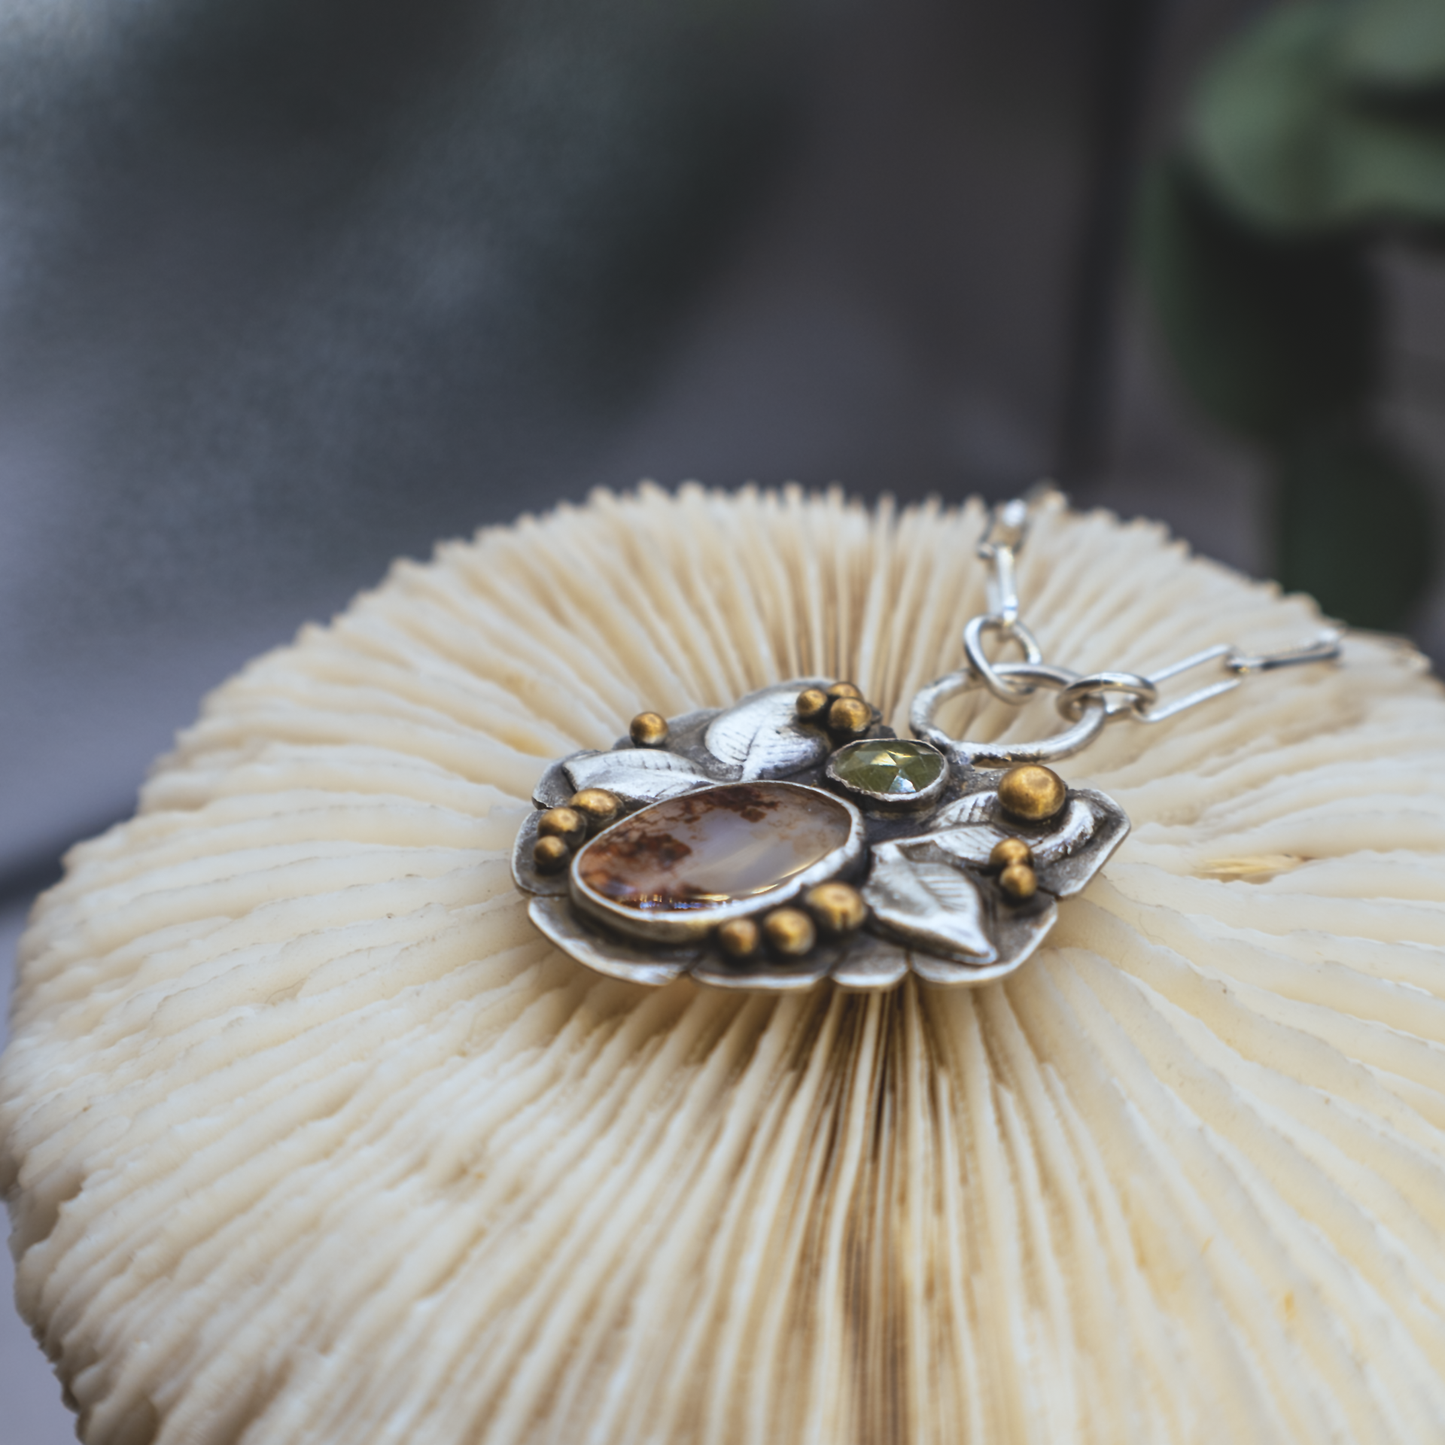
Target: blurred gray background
[(289, 287)]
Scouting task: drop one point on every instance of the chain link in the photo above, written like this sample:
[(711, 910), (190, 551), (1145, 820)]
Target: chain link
[(1105, 696), (1008, 525), (994, 754), (1122, 693), (998, 683)]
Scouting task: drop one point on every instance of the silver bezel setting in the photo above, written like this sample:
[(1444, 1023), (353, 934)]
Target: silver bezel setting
[(937, 894), (936, 910), (889, 802), (693, 925)]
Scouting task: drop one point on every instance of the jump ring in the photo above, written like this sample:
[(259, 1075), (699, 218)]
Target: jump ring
[(991, 675), (1092, 717), (1137, 691)]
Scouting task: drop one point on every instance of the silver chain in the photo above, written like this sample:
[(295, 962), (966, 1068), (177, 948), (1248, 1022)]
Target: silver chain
[(1129, 695), (1090, 700)]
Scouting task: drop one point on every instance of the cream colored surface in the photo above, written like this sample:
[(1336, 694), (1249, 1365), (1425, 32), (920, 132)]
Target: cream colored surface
[(309, 1137)]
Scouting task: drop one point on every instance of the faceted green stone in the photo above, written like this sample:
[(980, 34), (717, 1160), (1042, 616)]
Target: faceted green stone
[(891, 766)]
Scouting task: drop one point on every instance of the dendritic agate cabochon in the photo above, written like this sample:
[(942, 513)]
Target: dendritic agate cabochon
[(308, 1136), (713, 847)]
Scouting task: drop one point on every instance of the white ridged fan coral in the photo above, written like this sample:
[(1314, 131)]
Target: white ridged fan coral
[(309, 1136)]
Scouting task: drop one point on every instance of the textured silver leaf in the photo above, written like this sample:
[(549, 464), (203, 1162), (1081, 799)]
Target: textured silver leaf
[(1014, 950), (973, 842), (1068, 835), (636, 775), (1067, 870), (761, 737), (927, 902), (980, 807), (768, 976), (1017, 929), (871, 964), (969, 844), (616, 957), (525, 873)]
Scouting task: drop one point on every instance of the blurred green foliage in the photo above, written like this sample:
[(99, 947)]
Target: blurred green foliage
[(1316, 134)]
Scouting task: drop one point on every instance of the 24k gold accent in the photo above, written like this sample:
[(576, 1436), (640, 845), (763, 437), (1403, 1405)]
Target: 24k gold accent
[(837, 907), (1019, 882), (568, 824), (1010, 851), (790, 932), (551, 854), (648, 730), (739, 938), (849, 715), (1032, 792), (812, 704), (597, 805)]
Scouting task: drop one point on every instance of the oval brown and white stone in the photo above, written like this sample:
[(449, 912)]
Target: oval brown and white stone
[(712, 848)]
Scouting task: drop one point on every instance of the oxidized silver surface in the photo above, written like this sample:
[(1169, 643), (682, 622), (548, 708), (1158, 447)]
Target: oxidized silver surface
[(935, 906), (921, 862)]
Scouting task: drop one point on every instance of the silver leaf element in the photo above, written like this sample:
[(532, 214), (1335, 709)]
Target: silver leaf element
[(525, 873), (971, 808), (1066, 869), (969, 844), (927, 902), (871, 964), (604, 952), (636, 775), (761, 737), (770, 978), (1017, 944), (973, 842), (1068, 835), (1066, 855)]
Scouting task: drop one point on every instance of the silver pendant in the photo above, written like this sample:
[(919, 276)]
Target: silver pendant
[(790, 838)]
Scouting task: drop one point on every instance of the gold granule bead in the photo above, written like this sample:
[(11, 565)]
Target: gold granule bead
[(849, 715), (844, 689), (648, 730), (740, 938), (1019, 882), (1032, 792), (568, 824), (550, 854), (790, 932), (1010, 851), (837, 907), (812, 704), (597, 805)]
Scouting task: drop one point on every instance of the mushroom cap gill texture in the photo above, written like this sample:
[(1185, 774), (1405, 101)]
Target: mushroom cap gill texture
[(309, 1136)]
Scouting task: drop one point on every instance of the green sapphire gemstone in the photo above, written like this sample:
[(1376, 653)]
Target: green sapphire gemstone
[(893, 767)]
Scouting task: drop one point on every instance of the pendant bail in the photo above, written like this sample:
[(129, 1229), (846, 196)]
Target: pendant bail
[(1007, 527), (926, 703)]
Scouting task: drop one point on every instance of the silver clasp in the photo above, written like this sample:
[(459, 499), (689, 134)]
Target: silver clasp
[(1008, 525), (1324, 648), (1088, 701)]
